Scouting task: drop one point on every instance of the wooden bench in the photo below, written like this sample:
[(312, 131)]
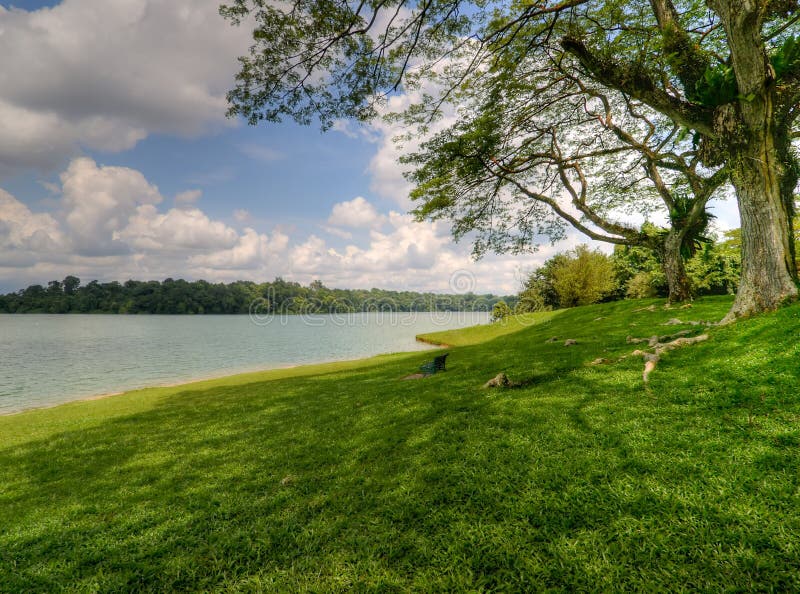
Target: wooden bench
[(438, 364)]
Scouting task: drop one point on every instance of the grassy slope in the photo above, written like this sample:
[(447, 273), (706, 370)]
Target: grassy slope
[(342, 477)]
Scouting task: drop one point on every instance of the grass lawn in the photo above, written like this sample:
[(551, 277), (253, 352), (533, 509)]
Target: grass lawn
[(342, 477)]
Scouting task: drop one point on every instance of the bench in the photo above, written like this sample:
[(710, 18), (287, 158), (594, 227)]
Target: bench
[(438, 364)]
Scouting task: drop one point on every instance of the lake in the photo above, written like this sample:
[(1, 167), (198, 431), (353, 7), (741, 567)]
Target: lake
[(49, 359)]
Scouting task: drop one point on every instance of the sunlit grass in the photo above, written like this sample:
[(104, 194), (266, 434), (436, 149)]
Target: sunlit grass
[(344, 477)]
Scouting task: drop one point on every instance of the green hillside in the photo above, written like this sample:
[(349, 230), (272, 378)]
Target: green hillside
[(344, 477)]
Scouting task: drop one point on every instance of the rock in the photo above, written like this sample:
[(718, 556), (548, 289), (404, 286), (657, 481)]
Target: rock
[(499, 381), (672, 322), (570, 342)]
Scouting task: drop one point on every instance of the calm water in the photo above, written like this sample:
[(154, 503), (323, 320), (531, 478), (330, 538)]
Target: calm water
[(47, 359)]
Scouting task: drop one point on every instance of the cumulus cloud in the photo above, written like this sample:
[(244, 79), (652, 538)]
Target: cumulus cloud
[(252, 250), (104, 75), (177, 229), (99, 201), (25, 236), (109, 223), (357, 213)]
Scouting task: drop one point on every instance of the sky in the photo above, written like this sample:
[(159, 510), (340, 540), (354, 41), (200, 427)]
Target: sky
[(117, 161)]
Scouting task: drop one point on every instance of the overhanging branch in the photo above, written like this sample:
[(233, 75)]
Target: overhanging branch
[(633, 81)]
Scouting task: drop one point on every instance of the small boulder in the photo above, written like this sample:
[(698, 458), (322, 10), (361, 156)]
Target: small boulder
[(570, 342)]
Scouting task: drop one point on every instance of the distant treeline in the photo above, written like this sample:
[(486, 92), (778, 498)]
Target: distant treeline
[(241, 297)]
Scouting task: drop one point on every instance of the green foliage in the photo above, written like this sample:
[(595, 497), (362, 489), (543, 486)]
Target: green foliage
[(637, 273), (641, 285), (500, 311), (532, 298), (785, 57), (717, 87), (341, 478), (695, 231), (241, 297), (578, 277), (585, 276), (715, 269)]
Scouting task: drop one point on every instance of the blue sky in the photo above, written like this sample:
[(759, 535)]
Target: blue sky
[(117, 162)]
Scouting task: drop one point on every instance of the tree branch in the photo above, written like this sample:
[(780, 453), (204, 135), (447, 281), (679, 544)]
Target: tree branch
[(633, 81)]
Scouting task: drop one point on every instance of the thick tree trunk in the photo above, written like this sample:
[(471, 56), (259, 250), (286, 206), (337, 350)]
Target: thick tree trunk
[(768, 270), (674, 270)]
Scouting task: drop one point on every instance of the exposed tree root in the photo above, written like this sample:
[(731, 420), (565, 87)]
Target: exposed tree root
[(499, 381), (677, 322), (652, 359), (654, 340), (648, 308)]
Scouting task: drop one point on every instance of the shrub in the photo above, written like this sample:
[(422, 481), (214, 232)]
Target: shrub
[(585, 276)]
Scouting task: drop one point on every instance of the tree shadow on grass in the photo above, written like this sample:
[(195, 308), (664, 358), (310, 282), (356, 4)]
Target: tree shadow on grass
[(353, 480)]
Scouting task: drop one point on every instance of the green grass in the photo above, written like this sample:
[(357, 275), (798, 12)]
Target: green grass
[(342, 477)]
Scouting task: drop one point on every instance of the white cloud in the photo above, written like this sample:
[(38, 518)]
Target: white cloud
[(336, 232), (99, 201), (104, 75), (253, 250), (24, 236), (177, 229), (356, 213), (108, 225), (188, 197)]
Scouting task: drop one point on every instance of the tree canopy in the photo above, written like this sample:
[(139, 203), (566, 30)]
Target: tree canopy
[(178, 296), (704, 88)]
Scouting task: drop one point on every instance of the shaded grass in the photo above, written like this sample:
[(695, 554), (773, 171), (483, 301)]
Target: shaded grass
[(341, 477)]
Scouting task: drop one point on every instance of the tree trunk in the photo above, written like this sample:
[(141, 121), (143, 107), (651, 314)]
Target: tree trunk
[(674, 270), (768, 269)]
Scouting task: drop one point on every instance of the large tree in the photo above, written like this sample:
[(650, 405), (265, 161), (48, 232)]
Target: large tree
[(527, 155), (726, 71)]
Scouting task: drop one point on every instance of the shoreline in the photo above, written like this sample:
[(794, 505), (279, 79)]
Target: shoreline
[(208, 378), (170, 384), (421, 338)]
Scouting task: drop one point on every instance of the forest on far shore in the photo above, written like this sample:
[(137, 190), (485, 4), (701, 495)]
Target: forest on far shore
[(240, 297)]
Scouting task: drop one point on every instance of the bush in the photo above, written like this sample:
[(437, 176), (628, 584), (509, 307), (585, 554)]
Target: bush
[(585, 276), (500, 311), (640, 286)]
